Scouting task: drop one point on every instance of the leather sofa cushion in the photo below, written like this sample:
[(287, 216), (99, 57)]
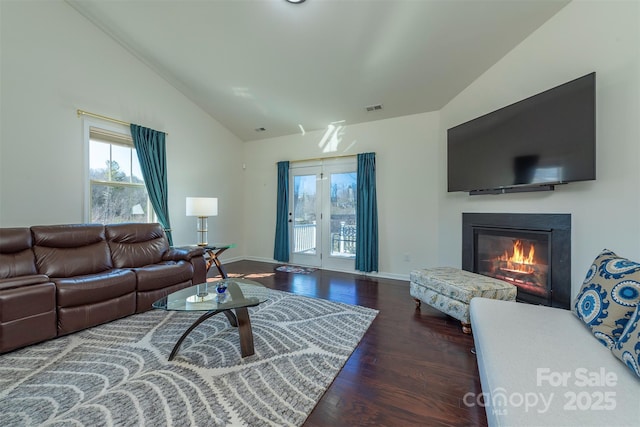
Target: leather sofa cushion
[(136, 245), (15, 239), (183, 253), (28, 301), (91, 289), (27, 330), (145, 299), (27, 315), (72, 319), (18, 282), (16, 256), (71, 250), (164, 274)]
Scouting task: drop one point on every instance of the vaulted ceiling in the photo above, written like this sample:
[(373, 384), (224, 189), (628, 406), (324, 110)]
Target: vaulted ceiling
[(289, 68)]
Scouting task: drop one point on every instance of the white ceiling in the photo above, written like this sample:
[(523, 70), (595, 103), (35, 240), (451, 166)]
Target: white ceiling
[(276, 65)]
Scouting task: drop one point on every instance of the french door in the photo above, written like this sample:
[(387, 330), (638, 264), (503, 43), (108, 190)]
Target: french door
[(305, 215), (322, 218)]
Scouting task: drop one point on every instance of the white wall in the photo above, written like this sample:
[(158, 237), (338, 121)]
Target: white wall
[(419, 217), (406, 173), (585, 36), (54, 62)]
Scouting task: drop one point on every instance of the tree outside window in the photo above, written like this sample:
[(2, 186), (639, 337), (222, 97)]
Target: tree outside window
[(117, 190)]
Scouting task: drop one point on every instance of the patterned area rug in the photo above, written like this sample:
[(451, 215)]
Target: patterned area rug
[(295, 269), (118, 374)]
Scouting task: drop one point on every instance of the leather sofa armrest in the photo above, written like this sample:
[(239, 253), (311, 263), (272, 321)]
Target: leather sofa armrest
[(18, 282), (183, 253)]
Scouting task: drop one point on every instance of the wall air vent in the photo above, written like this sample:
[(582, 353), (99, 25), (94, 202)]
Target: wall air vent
[(374, 107)]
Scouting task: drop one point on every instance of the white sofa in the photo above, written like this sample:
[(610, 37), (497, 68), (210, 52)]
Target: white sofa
[(541, 366)]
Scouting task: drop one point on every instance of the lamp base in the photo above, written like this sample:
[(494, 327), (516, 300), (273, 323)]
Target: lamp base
[(202, 231)]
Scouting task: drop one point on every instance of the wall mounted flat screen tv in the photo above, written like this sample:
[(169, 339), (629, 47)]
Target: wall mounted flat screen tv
[(532, 145)]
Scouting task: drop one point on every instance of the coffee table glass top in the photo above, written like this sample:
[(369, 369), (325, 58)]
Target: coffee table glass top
[(206, 296)]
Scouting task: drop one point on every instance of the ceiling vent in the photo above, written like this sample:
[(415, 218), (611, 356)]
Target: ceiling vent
[(373, 108)]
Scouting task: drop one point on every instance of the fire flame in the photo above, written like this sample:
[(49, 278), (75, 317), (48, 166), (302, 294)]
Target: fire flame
[(519, 261)]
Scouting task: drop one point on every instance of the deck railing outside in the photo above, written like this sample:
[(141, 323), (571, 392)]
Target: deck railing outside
[(343, 243), (304, 238)]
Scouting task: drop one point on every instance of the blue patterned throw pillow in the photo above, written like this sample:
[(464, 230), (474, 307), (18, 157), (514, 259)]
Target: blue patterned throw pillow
[(627, 348), (609, 296)]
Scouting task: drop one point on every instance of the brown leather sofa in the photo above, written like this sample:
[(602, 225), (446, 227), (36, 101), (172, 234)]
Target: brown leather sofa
[(58, 279)]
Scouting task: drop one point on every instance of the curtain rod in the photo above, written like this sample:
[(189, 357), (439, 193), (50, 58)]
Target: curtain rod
[(109, 119), (322, 158)]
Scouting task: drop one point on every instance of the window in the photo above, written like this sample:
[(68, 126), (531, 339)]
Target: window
[(117, 192)]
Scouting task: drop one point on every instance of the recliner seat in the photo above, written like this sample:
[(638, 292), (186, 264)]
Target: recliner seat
[(59, 279)]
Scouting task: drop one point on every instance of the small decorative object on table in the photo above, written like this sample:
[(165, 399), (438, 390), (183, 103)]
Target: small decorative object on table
[(221, 288)]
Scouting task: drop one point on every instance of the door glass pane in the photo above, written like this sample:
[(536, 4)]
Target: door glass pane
[(304, 214), (343, 214)]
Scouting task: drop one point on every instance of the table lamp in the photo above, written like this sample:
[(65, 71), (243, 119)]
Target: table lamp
[(202, 207)]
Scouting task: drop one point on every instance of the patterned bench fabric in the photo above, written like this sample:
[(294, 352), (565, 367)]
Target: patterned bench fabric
[(450, 290), (456, 309), (462, 285)]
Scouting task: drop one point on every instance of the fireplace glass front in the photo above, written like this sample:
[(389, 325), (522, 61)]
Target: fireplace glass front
[(520, 257)]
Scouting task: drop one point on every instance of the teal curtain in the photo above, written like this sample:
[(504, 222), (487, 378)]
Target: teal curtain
[(281, 246), (150, 146), (366, 214)]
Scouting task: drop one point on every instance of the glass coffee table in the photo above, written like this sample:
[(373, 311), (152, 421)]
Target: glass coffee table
[(221, 296)]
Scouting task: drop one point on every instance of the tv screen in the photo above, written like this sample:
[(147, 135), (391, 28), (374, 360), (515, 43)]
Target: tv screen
[(543, 140)]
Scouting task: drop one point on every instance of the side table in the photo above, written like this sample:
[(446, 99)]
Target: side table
[(212, 253)]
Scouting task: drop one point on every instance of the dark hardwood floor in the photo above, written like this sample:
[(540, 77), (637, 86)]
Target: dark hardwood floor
[(412, 367)]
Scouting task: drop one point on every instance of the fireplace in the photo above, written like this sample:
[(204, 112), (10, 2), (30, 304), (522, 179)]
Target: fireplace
[(530, 251)]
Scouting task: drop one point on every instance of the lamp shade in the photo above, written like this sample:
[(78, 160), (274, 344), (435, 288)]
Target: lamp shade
[(202, 206)]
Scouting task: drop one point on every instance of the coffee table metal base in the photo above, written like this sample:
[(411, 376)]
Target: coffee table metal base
[(240, 320)]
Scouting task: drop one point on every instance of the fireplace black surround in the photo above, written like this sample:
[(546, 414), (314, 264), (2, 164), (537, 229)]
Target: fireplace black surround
[(552, 234)]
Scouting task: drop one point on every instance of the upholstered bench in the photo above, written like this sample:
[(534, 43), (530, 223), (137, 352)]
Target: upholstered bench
[(450, 290)]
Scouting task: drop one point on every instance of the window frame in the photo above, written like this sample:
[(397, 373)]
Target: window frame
[(107, 126)]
